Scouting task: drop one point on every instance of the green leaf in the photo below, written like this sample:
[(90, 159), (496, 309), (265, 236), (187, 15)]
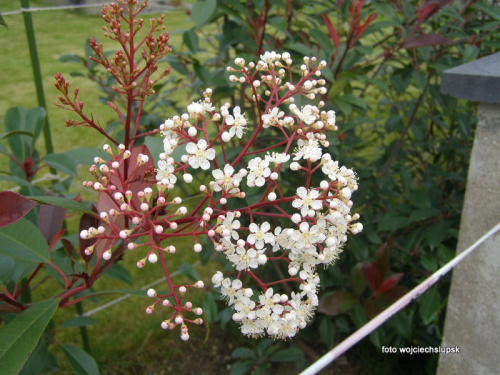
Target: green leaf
[(430, 305), (81, 362), (327, 332), (61, 162), (202, 11), (391, 221), (118, 272), (188, 271), (241, 367), (210, 308), (19, 338), (286, 355), (22, 240), (70, 204), (78, 321), (191, 40), (155, 146), (21, 119), (357, 279), (242, 353), (86, 155), (423, 213)]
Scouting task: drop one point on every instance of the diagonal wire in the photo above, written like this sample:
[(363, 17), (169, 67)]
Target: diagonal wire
[(394, 308)]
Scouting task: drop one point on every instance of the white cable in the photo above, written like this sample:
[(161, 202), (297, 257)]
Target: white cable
[(394, 308), (59, 7)]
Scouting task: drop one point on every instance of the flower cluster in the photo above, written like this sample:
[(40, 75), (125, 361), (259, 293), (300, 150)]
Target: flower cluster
[(246, 211)]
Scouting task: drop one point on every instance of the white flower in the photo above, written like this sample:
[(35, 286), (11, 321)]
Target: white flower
[(309, 114), (259, 171), (331, 169), (238, 122), (170, 141), (244, 259), (307, 199), (200, 155), (225, 180), (308, 149), (277, 158), (198, 109), (272, 117), (259, 235), (231, 225), (229, 289), (269, 57), (164, 173)]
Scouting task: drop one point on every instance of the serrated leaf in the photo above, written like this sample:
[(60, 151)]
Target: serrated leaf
[(188, 271), (155, 146), (202, 11), (20, 337), (22, 240), (14, 207), (81, 362), (423, 213), (70, 204), (430, 305)]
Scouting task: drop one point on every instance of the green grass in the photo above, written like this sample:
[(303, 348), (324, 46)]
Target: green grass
[(58, 32)]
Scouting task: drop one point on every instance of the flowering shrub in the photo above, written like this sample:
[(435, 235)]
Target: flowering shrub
[(315, 219)]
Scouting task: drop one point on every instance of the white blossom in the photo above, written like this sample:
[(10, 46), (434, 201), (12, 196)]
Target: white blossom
[(200, 155)]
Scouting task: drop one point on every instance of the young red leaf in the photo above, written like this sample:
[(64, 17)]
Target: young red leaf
[(372, 275), (361, 29), (395, 293), (50, 220), (390, 282), (331, 30), (430, 8), (14, 207), (425, 40)]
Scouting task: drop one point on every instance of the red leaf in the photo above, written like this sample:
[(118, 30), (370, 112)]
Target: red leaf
[(333, 33), (337, 303), (369, 20), (13, 207), (430, 8), (395, 293), (390, 282), (372, 275), (50, 220), (425, 40)]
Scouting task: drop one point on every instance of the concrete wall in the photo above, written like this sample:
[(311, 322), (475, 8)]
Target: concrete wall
[(473, 315)]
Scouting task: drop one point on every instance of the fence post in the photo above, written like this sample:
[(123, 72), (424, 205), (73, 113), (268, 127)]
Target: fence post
[(473, 314)]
